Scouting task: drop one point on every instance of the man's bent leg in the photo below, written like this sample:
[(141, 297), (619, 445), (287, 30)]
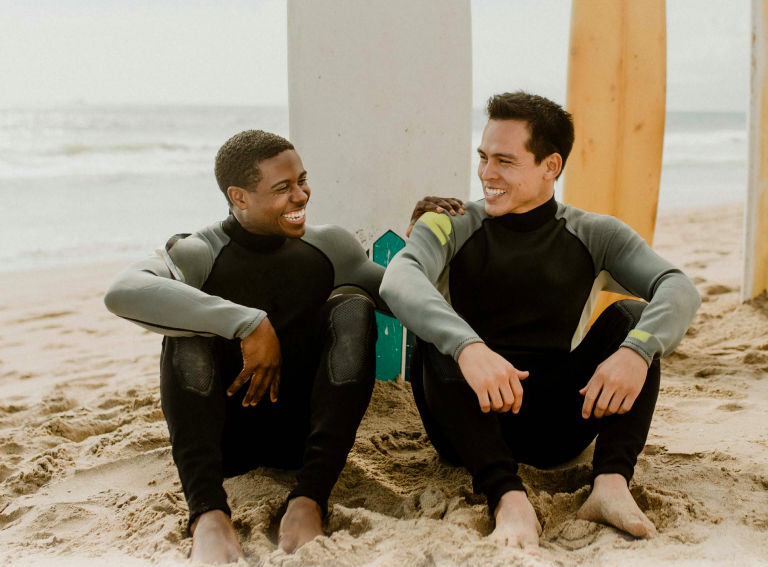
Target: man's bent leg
[(458, 428), (621, 437), (193, 403), (474, 436), (439, 440), (346, 327)]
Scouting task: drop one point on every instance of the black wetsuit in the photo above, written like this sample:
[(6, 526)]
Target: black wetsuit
[(207, 291), (526, 284)]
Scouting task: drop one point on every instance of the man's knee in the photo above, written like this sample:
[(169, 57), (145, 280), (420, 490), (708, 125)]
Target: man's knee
[(628, 311), (193, 363), (352, 334)]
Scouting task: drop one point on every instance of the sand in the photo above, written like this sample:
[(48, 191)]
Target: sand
[(86, 476)]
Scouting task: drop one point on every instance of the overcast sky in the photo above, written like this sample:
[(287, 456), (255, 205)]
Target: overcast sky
[(215, 52)]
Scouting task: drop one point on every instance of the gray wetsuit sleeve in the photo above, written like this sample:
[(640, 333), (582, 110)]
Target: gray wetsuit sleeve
[(634, 267), (354, 272), (672, 297), (162, 293), (415, 283)]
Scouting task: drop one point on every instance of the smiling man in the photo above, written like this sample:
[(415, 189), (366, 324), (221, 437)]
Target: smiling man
[(503, 294), (260, 300)]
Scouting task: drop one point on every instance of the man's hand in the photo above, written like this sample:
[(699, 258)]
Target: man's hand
[(620, 378), (495, 381), (438, 205), (261, 365)]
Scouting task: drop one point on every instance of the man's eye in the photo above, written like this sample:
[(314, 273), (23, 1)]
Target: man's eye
[(302, 181), (483, 158)]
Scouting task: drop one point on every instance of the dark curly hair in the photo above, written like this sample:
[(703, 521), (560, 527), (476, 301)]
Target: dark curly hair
[(550, 126), (237, 162)]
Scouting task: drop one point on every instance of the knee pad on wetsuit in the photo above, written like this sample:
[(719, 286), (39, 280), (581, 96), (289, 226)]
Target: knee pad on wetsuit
[(194, 363), (628, 309), (352, 328)]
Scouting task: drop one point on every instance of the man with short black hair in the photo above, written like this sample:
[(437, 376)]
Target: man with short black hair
[(257, 299), (504, 294)]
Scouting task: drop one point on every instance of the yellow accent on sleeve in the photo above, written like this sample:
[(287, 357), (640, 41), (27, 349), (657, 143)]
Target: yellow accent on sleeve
[(440, 224), (639, 335)]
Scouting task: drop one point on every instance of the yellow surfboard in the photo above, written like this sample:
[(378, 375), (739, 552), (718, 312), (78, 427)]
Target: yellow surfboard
[(617, 94)]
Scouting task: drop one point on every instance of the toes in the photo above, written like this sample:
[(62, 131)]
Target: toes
[(532, 550), (640, 527), (286, 544), (650, 529)]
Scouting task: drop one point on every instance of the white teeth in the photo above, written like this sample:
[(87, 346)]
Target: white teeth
[(296, 215), (494, 192)]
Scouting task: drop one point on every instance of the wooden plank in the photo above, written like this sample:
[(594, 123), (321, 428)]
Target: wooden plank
[(617, 95), (755, 279), (389, 345)]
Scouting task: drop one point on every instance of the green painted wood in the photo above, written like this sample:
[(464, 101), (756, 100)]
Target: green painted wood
[(389, 346)]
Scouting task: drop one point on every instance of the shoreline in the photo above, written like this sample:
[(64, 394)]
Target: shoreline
[(136, 253)]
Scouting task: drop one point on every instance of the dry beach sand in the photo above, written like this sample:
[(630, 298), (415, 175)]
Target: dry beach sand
[(86, 476)]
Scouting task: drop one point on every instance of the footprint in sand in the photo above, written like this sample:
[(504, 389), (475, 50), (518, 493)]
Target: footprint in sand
[(399, 443), (731, 407), (12, 448), (755, 359), (718, 289), (576, 534), (13, 408), (56, 346), (708, 371), (80, 429), (6, 471), (43, 316)]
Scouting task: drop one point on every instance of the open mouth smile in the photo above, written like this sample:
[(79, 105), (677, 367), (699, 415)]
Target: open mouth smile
[(295, 217), (492, 193)]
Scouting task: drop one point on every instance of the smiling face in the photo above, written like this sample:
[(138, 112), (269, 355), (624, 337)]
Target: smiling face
[(277, 205), (512, 180)]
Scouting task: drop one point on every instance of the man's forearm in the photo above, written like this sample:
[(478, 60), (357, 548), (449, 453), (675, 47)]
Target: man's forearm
[(409, 289), (145, 294)]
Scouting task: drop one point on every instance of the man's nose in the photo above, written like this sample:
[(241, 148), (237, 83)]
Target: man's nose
[(298, 195), (488, 171)]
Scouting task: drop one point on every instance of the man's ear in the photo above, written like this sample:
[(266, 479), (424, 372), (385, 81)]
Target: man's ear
[(554, 164), (237, 197)]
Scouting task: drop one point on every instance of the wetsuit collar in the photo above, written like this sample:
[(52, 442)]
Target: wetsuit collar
[(259, 242), (530, 220)]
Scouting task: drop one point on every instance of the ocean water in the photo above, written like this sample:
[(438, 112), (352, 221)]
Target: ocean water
[(86, 184)]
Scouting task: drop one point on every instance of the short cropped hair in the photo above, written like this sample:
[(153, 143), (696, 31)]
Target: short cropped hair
[(237, 162), (549, 124)]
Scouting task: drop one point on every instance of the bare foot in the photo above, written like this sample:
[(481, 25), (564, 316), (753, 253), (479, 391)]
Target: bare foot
[(301, 523), (214, 539), (516, 523), (611, 503)]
